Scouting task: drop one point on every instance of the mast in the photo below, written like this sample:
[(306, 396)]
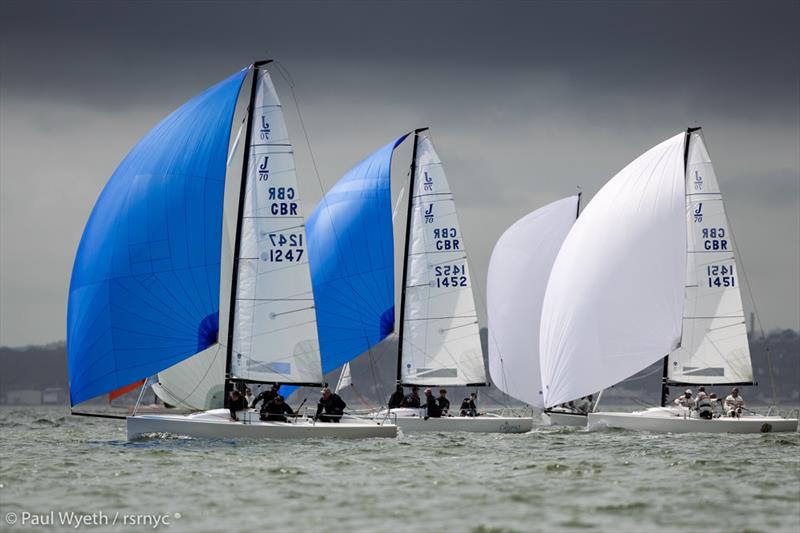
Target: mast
[(406, 250), (239, 215), (665, 370)]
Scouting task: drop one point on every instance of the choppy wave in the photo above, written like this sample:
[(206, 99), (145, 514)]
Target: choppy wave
[(551, 479)]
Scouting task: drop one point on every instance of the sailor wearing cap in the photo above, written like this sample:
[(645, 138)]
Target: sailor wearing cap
[(686, 400), (332, 405)]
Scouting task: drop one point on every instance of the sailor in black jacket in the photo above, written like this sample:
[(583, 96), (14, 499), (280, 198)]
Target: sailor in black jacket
[(236, 402), (332, 404), (275, 410)]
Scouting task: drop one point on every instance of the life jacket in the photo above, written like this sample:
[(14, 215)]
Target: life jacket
[(704, 405)]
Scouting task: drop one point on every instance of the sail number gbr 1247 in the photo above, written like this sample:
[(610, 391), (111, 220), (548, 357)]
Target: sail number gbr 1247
[(286, 248)]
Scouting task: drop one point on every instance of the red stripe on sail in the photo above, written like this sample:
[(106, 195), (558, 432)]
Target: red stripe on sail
[(113, 395)]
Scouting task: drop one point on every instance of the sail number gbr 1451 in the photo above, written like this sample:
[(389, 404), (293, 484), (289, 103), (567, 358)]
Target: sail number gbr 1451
[(286, 248), (721, 276)]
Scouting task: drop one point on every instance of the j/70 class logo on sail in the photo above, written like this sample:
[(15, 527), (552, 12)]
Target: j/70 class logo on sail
[(265, 129), (263, 171)]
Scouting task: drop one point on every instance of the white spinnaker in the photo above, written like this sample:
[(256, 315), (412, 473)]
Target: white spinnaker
[(518, 272), (614, 301), (275, 328), (441, 340), (714, 348), (345, 378)]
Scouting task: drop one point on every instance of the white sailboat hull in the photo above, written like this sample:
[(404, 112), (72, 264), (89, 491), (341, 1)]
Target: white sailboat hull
[(216, 424), (669, 420), (411, 420), (563, 418)]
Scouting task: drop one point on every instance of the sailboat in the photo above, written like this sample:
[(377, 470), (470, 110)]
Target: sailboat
[(147, 290), (519, 269), (649, 272), (439, 338)]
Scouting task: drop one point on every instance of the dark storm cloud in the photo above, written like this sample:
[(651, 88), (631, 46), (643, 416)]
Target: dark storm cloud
[(99, 51), (525, 101)]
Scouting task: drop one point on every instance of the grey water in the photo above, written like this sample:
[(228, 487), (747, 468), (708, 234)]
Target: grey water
[(551, 479)]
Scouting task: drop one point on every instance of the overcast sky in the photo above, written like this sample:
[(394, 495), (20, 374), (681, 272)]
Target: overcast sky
[(525, 101)]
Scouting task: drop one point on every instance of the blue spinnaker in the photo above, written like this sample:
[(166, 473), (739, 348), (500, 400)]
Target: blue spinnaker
[(144, 293), (351, 255)]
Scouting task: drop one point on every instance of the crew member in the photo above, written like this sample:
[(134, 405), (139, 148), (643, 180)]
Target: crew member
[(276, 410), (333, 406), (701, 393), (248, 396), (236, 403), (397, 399), (412, 400), (468, 406), (443, 402), (705, 408), (583, 406), (266, 396), (431, 406), (686, 400), (734, 403)]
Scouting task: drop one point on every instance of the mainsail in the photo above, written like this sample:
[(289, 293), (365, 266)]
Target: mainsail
[(714, 349), (439, 331), (614, 301), (274, 324), (145, 285), (518, 272)]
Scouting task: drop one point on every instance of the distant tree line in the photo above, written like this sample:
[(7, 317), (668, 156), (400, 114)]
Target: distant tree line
[(45, 366)]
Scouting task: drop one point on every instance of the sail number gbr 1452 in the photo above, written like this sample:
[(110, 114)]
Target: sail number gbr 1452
[(720, 276), (286, 248), (450, 276)]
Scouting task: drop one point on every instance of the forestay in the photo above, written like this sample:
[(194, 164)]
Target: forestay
[(518, 272), (714, 348), (274, 326), (441, 339), (144, 293), (351, 257), (614, 301)]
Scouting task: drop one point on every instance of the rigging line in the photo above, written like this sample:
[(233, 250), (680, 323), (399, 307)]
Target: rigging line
[(293, 311), (737, 253), (462, 326), (377, 384), (235, 145), (502, 364), (636, 378), (397, 203), (284, 72)]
